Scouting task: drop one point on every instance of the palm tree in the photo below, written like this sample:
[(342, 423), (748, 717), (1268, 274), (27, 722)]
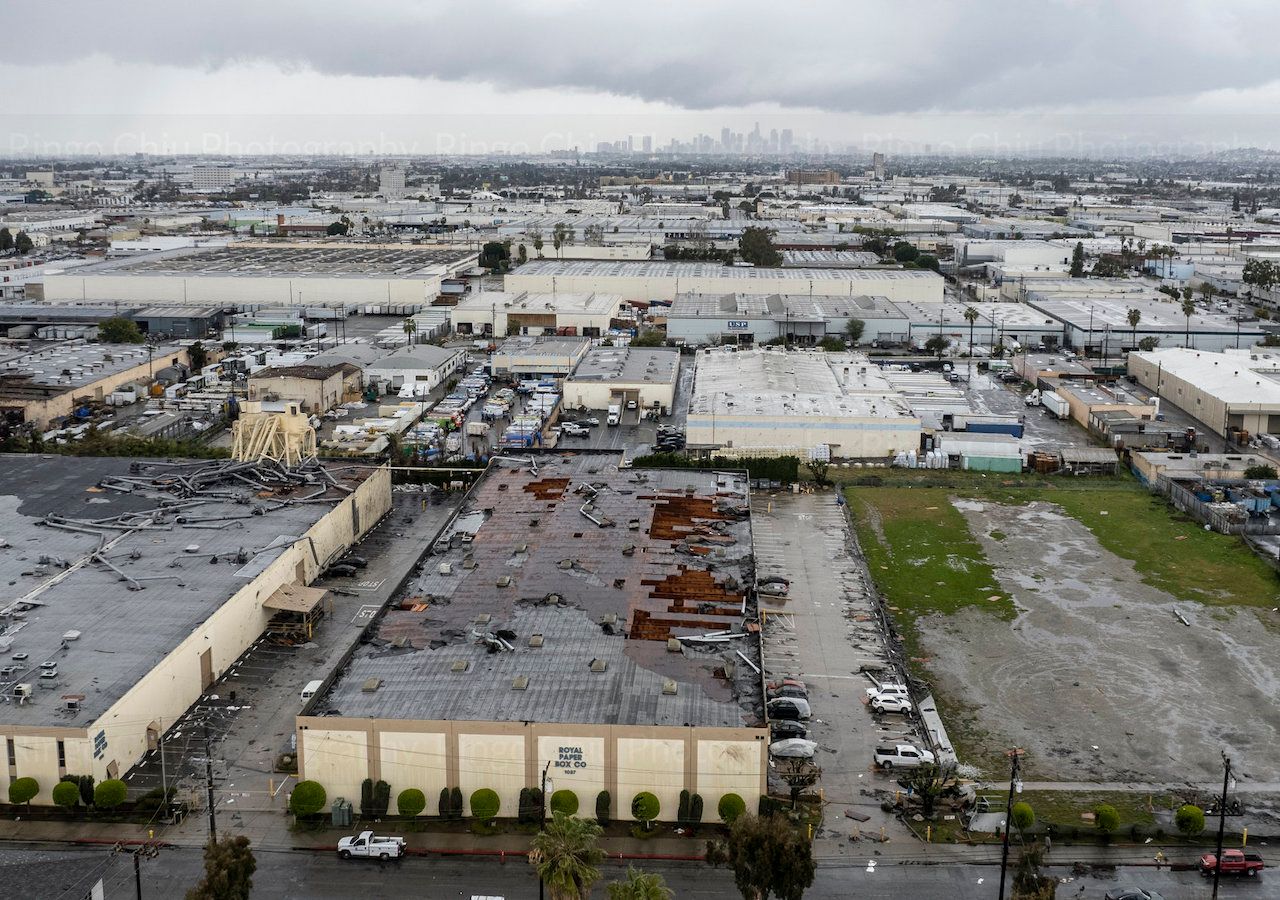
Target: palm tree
[(566, 856), (410, 328), (970, 316), (1135, 316), (640, 886), (1188, 307)]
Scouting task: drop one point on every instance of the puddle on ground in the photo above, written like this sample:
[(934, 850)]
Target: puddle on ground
[(1096, 657)]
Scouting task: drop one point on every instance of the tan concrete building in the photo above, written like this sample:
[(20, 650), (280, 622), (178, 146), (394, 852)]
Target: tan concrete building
[(135, 615), (546, 640), (1233, 390), (317, 388)]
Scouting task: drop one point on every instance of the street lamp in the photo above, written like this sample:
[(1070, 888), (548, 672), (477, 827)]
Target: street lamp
[(1015, 787)]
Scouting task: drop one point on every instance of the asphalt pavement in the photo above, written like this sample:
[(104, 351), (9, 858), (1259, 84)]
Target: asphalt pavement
[(62, 874)]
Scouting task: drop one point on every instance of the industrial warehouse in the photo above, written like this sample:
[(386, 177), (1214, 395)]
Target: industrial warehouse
[(136, 585), (577, 619), (248, 275)]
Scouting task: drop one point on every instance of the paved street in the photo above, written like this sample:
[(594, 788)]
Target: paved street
[(285, 875)]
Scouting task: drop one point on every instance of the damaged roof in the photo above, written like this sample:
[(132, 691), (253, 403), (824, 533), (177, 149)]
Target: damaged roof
[(554, 596)]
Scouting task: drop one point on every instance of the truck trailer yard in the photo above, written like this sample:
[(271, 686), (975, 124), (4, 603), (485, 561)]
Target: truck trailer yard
[(1051, 617)]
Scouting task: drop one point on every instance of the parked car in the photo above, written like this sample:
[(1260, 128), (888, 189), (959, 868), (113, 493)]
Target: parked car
[(1132, 893), (793, 748), (887, 689), (891, 704), (1234, 862), (344, 570), (902, 756), (573, 429), (789, 690), (631, 404), (783, 730), (368, 845), (788, 708), (358, 561)]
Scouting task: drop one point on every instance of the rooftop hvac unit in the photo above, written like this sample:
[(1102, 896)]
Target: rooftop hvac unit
[(22, 691), (669, 686)]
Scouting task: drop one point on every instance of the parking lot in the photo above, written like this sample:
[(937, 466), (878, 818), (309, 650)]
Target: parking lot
[(825, 633)]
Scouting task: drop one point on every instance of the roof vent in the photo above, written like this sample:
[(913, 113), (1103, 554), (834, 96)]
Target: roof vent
[(483, 619), (370, 685), (599, 665), (460, 666), (535, 641), (520, 683), (504, 581), (674, 645), (669, 686)]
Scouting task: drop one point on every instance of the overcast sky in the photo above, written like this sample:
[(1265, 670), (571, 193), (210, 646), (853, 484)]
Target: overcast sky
[(388, 76)]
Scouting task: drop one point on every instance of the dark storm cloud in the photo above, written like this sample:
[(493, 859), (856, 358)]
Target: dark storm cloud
[(904, 57)]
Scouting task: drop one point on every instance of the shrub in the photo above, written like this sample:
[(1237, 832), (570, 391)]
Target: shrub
[(23, 790), (485, 804), (307, 799), (366, 799), (1023, 815), (564, 802), (603, 802), (768, 806), (66, 793), (530, 809), (695, 809), (730, 807), (444, 803), (455, 803), (1189, 819), (645, 807), (1105, 818), (110, 793), (381, 798), (86, 788), (682, 808), (411, 802)]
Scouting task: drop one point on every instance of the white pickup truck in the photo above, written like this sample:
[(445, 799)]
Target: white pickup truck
[(903, 756), (368, 845)]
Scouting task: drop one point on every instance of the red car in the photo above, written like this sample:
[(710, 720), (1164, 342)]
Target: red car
[(1234, 862)]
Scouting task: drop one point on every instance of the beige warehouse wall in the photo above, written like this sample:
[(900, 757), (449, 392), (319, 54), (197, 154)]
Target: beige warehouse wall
[(36, 754), (494, 761), (729, 767), (221, 290), (414, 760), (874, 439), (656, 766), (339, 761), (578, 764)]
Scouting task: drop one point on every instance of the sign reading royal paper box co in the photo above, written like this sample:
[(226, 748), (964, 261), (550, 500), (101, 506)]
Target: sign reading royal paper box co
[(578, 758)]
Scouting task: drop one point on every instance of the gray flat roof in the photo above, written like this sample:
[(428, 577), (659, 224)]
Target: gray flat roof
[(628, 365), (297, 262), (85, 363), (780, 307), (522, 558), (660, 269), (124, 633), (532, 345)]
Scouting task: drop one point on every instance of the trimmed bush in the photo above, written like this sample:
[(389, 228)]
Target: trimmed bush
[(381, 798), (86, 788), (1023, 815), (66, 794), (530, 809), (485, 804), (682, 808), (23, 790), (645, 807), (603, 802), (110, 793), (307, 799), (695, 809), (730, 807), (1105, 818), (444, 803), (366, 799), (565, 802), (455, 803), (1189, 819), (411, 802)]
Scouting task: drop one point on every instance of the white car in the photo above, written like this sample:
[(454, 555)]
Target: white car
[(902, 756), (891, 704), (368, 845), (888, 689), (631, 404), (793, 748), (573, 429)]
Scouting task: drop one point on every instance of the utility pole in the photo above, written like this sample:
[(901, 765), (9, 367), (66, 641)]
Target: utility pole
[(208, 777), (137, 874), (1015, 786), (544, 819), (164, 778), (1222, 820)]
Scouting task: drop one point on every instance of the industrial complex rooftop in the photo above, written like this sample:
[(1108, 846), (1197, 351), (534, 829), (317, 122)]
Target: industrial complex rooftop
[(629, 365), (829, 259), (112, 563), (298, 262), (534, 302), (73, 364), (1244, 378), (660, 269), (555, 596), (780, 307)]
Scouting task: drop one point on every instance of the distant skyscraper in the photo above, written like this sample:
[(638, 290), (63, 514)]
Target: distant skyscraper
[(391, 182), (877, 165), (786, 141), (726, 140), (648, 143)]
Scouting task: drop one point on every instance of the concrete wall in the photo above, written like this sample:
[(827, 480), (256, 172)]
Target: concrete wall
[(599, 394), (316, 395), (168, 690), (508, 756), (637, 287), (216, 290), (1208, 408)]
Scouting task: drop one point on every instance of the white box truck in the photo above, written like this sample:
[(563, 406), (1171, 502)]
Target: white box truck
[(615, 414), (1056, 404)]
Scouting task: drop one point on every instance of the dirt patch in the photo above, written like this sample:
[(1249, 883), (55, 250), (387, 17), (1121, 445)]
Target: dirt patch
[(1096, 658)]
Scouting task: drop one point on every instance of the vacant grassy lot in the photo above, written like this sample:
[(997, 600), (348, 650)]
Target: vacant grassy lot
[(914, 539)]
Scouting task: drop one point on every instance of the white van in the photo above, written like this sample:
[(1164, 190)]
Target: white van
[(312, 688)]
